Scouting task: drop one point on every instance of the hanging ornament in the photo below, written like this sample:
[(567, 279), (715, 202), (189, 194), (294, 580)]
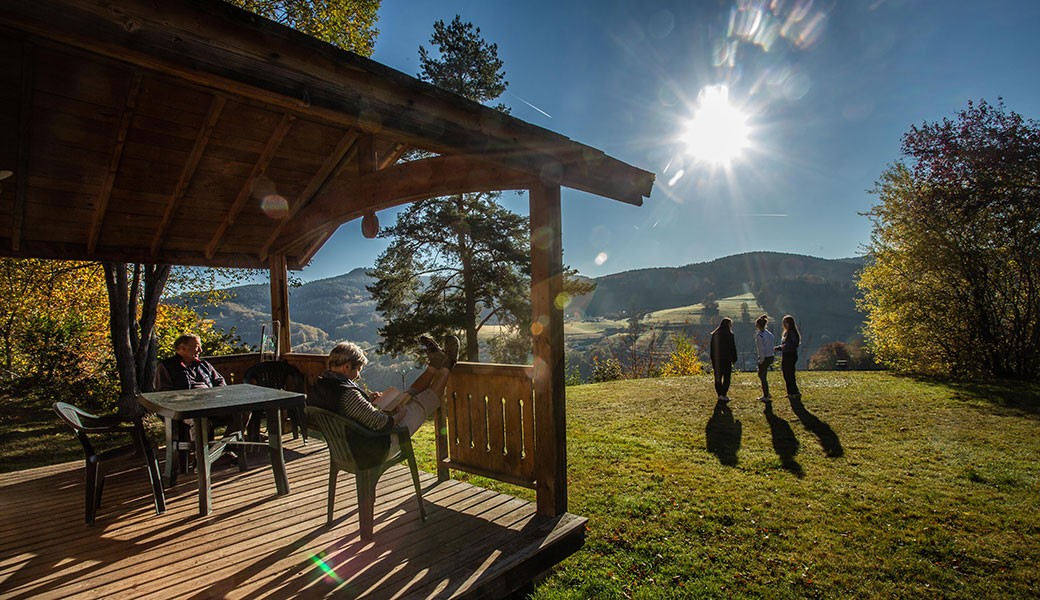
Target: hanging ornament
[(370, 225)]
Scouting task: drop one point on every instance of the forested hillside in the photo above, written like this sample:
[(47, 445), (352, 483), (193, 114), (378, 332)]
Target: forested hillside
[(819, 292)]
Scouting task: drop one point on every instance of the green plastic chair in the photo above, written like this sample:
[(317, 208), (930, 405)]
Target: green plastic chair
[(98, 463), (336, 430)]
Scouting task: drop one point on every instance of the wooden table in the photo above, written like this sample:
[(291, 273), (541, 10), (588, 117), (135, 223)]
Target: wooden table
[(201, 404)]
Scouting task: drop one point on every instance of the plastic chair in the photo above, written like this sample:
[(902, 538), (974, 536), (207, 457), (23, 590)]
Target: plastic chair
[(97, 464), (337, 431), (278, 375)]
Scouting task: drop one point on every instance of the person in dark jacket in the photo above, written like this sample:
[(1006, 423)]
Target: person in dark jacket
[(723, 355), (337, 391), (185, 370), (789, 356)]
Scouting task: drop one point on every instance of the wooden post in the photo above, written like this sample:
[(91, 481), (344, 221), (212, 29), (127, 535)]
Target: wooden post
[(280, 300), (547, 326)]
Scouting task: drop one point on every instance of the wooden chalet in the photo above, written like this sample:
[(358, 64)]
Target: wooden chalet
[(191, 132)]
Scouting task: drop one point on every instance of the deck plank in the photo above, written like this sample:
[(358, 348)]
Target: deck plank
[(475, 544)]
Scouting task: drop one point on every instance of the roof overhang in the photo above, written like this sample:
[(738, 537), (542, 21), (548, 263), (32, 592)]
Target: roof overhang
[(144, 131)]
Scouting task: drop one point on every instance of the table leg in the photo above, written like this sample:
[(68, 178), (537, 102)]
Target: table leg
[(202, 466), (172, 458), (274, 444)]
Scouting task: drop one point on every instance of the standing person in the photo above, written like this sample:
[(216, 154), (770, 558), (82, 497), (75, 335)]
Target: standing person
[(764, 341), (723, 355), (789, 355)]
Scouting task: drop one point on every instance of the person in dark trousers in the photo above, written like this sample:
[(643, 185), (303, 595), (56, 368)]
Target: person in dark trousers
[(764, 347), (789, 355), (723, 355)]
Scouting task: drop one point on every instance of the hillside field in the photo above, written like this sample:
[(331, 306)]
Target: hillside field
[(877, 486)]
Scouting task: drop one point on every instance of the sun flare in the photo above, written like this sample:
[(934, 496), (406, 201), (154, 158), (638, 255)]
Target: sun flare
[(718, 131)]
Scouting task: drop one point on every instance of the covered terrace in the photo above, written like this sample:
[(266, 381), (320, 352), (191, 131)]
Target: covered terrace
[(190, 132)]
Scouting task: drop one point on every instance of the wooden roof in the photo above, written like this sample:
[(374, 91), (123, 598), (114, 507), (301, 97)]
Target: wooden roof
[(144, 131)]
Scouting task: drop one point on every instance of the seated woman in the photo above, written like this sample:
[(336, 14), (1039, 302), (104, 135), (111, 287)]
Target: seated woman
[(337, 391)]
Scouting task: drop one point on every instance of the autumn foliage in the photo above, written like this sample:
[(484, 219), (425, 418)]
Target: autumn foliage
[(953, 286)]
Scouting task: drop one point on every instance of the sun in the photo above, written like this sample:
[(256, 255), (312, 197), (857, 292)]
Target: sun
[(718, 131)]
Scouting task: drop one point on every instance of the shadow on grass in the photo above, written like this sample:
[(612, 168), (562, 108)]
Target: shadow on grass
[(1006, 396), (828, 439), (784, 442), (722, 434)]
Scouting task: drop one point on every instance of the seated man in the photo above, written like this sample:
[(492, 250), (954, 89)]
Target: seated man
[(185, 370), (337, 391)]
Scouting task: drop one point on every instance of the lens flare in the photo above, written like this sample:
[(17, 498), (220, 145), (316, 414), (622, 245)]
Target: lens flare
[(718, 132), (601, 258)]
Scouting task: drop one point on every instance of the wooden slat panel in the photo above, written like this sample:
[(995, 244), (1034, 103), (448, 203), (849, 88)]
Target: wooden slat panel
[(496, 425), (514, 448), (478, 426), (116, 156), (273, 142), (499, 432), (69, 75)]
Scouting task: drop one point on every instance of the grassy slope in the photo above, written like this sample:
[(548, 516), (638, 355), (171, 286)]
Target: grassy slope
[(933, 492)]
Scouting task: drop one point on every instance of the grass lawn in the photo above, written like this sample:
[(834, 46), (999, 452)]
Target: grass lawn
[(878, 487)]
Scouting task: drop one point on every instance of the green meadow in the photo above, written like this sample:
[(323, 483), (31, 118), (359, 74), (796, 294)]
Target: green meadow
[(875, 486)]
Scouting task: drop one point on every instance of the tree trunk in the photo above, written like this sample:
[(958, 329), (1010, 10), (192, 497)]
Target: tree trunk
[(119, 326), (134, 342), (472, 347)]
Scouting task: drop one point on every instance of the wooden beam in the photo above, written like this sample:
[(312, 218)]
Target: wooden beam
[(127, 116), (367, 160), (550, 414), (280, 300), (399, 184), (224, 48), (216, 106), (394, 155), (69, 251), (317, 183), (21, 192), (247, 188)]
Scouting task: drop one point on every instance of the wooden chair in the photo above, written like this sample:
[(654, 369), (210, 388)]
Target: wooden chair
[(98, 463), (337, 429), (278, 375)]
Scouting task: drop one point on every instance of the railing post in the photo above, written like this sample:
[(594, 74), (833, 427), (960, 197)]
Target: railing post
[(280, 300), (547, 327)]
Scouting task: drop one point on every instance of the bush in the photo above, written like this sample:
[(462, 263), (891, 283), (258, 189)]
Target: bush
[(685, 359), (606, 370)]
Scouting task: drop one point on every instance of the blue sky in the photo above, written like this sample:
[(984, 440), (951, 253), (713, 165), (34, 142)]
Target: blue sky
[(827, 103)]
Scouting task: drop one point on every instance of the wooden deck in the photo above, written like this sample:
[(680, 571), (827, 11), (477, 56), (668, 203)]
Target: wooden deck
[(475, 544)]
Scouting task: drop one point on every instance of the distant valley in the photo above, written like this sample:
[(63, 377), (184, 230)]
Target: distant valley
[(820, 293)]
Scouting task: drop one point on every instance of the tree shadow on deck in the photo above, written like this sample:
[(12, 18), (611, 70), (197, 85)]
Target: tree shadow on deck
[(453, 549), (784, 442), (828, 439), (64, 551), (722, 434)]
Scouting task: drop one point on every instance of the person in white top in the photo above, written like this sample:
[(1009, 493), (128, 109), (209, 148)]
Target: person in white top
[(764, 344)]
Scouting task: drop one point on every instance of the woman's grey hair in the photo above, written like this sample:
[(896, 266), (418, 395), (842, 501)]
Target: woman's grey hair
[(347, 352), (184, 338)]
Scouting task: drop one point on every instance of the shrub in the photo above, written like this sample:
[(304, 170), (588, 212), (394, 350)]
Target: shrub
[(606, 370), (685, 359)]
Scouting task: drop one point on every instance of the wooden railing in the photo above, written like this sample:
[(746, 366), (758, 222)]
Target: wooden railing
[(234, 366), (486, 424)]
